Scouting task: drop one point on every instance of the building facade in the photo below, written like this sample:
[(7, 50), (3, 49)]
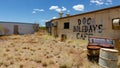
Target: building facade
[(9, 28), (49, 27), (104, 22)]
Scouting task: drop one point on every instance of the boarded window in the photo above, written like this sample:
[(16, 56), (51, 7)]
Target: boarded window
[(66, 25), (116, 24)]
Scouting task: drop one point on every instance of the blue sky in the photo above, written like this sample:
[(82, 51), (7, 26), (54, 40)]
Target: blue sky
[(39, 11)]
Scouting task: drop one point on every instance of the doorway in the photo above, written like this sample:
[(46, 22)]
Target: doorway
[(55, 32), (16, 29)]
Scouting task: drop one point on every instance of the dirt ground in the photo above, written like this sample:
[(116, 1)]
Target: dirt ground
[(42, 51)]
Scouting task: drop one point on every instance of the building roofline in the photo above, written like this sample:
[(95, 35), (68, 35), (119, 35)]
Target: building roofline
[(17, 22), (88, 12)]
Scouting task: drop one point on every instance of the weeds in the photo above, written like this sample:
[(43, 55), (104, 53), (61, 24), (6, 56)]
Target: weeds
[(39, 50)]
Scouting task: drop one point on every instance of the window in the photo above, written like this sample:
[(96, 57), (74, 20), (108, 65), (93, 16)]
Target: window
[(66, 25), (116, 24)]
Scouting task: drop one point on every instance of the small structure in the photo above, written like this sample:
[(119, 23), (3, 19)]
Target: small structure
[(9, 28)]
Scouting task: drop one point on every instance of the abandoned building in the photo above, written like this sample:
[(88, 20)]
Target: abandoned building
[(9, 28), (49, 27), (104, 22), (101, 26)]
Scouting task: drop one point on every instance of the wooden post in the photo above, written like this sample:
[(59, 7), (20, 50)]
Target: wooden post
[(117, 45)]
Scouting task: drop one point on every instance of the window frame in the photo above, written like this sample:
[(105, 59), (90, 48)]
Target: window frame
[(66, 25), (115, 27)]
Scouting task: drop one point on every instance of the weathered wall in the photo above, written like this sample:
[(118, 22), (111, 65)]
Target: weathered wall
[(26, 29), (8, 28), (90, 24)]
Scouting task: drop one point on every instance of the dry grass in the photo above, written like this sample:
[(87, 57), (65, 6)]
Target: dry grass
[(42, 51), (119, 62)]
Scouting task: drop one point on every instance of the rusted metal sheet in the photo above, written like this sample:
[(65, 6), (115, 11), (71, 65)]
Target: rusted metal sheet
[(93, 46), (96, 43), (107, 46)]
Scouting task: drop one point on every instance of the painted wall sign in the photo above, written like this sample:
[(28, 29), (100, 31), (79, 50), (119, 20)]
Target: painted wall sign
[(85, 27)]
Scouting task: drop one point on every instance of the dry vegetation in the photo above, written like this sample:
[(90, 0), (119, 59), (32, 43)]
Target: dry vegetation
[(42, 51), (119, 61)]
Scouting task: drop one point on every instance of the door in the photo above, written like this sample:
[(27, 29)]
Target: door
[(55, 29), (16, 29), (55, 32)]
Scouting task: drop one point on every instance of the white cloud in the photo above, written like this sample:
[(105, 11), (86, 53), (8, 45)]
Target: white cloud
[(54, 17), (101, 2), (53, 7), (97, 2), (34, 12), (57, 8), (47, 20), (108, 2), (64, 9), (78, 7), (37, 10)]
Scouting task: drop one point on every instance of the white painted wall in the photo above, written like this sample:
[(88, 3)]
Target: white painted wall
[(9, 28), (25, 29)]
